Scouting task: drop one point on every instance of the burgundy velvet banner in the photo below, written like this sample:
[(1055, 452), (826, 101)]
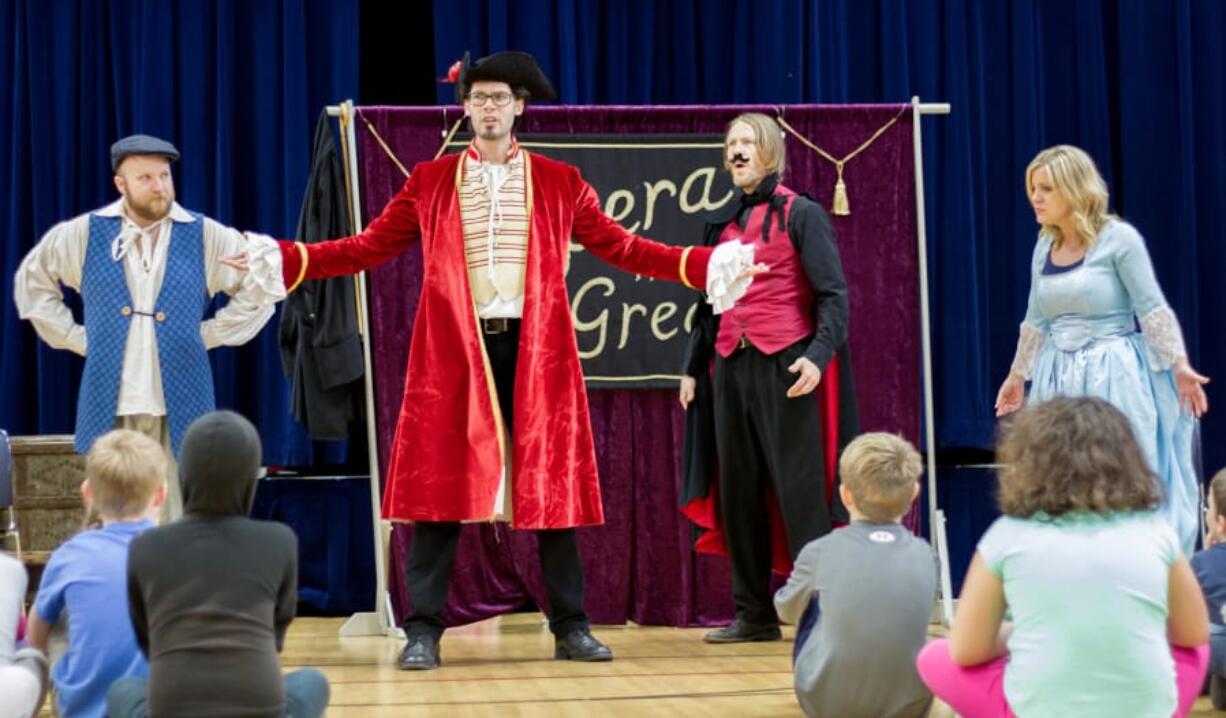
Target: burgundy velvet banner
[(639, 566)]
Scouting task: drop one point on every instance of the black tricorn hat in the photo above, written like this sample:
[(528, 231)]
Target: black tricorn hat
[(518, 69)]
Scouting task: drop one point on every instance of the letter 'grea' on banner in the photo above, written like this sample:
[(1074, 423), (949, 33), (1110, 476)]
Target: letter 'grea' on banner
[(662, 313), (653, 191), (620, 204), (704, 203), (628, 312), (600, 323)]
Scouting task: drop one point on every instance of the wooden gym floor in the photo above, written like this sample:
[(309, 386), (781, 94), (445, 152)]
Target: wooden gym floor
[(504, 667)]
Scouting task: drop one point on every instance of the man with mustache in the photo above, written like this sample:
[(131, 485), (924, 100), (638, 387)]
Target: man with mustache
[(494, 423), (769, 352), (145, 269)]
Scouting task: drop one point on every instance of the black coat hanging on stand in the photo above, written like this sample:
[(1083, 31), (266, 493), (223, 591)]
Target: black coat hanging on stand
[(321, 349)]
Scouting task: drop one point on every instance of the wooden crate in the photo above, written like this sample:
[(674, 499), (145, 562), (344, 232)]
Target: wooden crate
[(47, 476)]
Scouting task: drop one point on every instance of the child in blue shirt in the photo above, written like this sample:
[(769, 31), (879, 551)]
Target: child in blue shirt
[(1210, 568), (87, 575)]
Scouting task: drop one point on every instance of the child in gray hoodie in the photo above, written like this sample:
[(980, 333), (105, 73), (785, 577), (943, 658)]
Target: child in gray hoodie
[(865, 593), (212, 594)]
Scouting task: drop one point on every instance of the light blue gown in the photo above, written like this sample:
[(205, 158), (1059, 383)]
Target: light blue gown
[(1092, 348)]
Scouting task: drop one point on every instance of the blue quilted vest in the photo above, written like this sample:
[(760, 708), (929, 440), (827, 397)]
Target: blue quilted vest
[(187, 378)]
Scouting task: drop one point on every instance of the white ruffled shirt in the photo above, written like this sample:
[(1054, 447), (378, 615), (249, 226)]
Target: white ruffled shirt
[(59, 258)]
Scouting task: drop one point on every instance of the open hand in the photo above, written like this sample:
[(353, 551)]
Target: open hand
[(1009, 398), (810, 377), (752, 270), (688, 384), (235, 261), (1191, 389)]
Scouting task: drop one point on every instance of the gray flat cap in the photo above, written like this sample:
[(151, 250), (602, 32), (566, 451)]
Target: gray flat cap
[(141, 145)]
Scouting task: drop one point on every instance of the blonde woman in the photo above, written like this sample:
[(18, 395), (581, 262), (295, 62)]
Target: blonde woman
[(1091, 283)]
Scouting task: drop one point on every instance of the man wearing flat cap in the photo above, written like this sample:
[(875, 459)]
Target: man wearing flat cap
[(145, 269), (494, 422)]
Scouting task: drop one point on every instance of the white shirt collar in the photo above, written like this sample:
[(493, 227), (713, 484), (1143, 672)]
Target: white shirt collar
[(115, 209)]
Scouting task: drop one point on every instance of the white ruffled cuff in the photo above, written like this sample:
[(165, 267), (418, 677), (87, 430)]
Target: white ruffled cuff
[(264, 282), (724, 285), (1163, 338)]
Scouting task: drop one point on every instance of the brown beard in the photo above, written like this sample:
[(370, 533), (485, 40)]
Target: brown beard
[(147, 211)]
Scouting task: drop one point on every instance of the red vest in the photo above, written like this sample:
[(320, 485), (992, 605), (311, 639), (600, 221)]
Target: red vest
[(777, 311)]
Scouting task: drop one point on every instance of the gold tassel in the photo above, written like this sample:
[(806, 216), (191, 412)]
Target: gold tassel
[(839, 204)]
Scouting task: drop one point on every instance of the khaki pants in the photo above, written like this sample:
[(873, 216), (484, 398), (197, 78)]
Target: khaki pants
[(156, 428)]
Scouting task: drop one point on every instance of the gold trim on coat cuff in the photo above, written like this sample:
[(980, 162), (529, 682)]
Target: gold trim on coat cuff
[(685, 253), (306, 258)]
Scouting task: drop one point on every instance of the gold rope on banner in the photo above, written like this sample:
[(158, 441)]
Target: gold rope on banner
[(382, 144), (839, 205), (451, 133)]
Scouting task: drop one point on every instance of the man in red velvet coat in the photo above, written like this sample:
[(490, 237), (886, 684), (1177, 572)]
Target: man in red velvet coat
[(494, 423)]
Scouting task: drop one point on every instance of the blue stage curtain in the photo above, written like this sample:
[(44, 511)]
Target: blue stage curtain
[(237, 86), (1141, 85)]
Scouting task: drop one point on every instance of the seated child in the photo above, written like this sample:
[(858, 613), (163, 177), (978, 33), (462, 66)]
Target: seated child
[(87, 576), (870, 587), (1210, 568), (212, 594), (23, 671), (1107, 618)]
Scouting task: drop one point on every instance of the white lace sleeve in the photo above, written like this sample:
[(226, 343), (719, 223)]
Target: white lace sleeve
[(1163, 339), (723, 269), (1029, 341)]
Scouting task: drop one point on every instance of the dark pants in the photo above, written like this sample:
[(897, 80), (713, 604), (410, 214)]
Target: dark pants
[(432, 550), (766, 442)]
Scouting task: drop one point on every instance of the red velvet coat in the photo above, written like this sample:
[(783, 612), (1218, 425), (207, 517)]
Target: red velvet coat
[(447, 454)]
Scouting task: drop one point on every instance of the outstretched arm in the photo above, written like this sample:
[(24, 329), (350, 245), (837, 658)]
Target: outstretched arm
[(609, 241), (389, 235), (1158, 321), (254, 290)]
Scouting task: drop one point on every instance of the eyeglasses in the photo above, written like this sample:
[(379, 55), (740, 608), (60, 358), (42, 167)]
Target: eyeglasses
[(501, 99)]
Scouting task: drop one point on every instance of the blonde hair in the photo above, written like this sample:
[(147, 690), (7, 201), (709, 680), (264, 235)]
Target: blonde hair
[(1217, 487), (124, 470), (767, 135), (880, 471), (1076, 178)]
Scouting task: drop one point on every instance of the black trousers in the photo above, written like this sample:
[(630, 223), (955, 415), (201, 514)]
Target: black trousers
[(432, 551), (766, 441)]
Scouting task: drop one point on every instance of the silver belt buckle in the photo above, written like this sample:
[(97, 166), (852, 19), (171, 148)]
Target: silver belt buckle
[(495, 325)]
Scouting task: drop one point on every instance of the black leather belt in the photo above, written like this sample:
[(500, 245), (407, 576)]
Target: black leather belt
[(497, 325)]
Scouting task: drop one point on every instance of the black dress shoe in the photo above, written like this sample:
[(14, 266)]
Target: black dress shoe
[(741, 632), (419, 654), (581, 645)]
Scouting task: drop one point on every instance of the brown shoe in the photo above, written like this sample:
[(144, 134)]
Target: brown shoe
[(741, 632)]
